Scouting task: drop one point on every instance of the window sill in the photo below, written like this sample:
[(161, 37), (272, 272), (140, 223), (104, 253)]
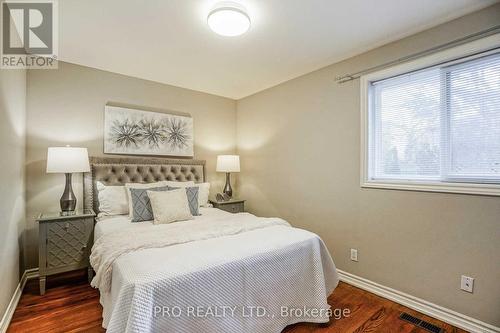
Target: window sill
[(462, 188)]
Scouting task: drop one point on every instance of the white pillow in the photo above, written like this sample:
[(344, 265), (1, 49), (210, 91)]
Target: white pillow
[(203, 192), (128, 186), (169, 206), (179, 184), (112, 200)]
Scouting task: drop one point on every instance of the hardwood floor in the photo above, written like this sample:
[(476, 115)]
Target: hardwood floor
[(71, 305)]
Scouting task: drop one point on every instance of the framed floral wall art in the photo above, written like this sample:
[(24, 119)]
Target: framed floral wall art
[(137, 132)]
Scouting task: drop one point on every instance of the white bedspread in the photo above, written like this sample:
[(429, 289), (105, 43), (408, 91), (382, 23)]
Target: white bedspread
[(244, 282)]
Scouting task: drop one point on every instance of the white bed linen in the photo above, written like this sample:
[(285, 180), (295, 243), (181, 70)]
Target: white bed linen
[(269, 268), (119, 222)]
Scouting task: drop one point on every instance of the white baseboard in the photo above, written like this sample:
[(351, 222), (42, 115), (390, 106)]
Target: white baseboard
[(449, 316), (31, 273), (9, 312)]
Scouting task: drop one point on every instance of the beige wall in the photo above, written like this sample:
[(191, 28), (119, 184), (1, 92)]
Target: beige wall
[(300, 147), (12, 140), (66, 106)]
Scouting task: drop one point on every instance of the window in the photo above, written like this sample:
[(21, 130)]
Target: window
[(436, 128)]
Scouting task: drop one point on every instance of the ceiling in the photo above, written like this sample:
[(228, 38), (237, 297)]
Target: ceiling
[(169, 41)]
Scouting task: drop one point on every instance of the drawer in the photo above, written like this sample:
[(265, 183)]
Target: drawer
[(233, 207), (67, 243)]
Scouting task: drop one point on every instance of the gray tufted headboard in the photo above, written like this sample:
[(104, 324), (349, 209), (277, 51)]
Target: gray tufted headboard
[(121, 170)]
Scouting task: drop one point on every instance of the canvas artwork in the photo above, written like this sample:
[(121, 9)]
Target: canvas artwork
[(137, 132)]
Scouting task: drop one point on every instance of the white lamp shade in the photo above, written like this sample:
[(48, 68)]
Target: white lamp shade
[(67, 160), (228, 163)]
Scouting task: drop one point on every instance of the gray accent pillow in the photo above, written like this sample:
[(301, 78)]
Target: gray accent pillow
[(141, 206), (192, 195)]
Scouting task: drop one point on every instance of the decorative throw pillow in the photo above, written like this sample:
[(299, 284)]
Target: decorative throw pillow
[(128, 186), (192, 196), (112, 200), (141, 205), (170, 206), (203, 194)]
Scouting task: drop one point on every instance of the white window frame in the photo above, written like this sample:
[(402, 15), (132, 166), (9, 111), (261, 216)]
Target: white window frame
[(472, 49)]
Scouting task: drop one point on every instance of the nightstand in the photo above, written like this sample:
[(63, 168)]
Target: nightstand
[(232, 205), (64, 243)]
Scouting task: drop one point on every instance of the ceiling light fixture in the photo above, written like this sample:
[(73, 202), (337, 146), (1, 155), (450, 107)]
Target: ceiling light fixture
[(229, 19)]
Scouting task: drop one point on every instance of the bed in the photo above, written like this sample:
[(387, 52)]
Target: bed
[(254, 280)]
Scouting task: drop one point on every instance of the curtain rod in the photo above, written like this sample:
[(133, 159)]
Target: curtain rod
[(478, 35)]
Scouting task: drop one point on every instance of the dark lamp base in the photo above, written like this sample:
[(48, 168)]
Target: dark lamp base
[(68, 199), (227, 188)]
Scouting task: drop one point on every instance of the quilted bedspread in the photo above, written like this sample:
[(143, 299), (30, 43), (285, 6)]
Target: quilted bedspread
[(243, 279)]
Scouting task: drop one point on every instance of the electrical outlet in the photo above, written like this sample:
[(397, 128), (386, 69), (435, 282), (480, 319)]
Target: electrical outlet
[(467, 283), (354, 254)]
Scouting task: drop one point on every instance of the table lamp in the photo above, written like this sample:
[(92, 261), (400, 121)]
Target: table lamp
[(228, 164), (67, 160)]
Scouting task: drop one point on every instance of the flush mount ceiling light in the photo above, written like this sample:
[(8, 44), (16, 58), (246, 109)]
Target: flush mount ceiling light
[(229, 19)]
